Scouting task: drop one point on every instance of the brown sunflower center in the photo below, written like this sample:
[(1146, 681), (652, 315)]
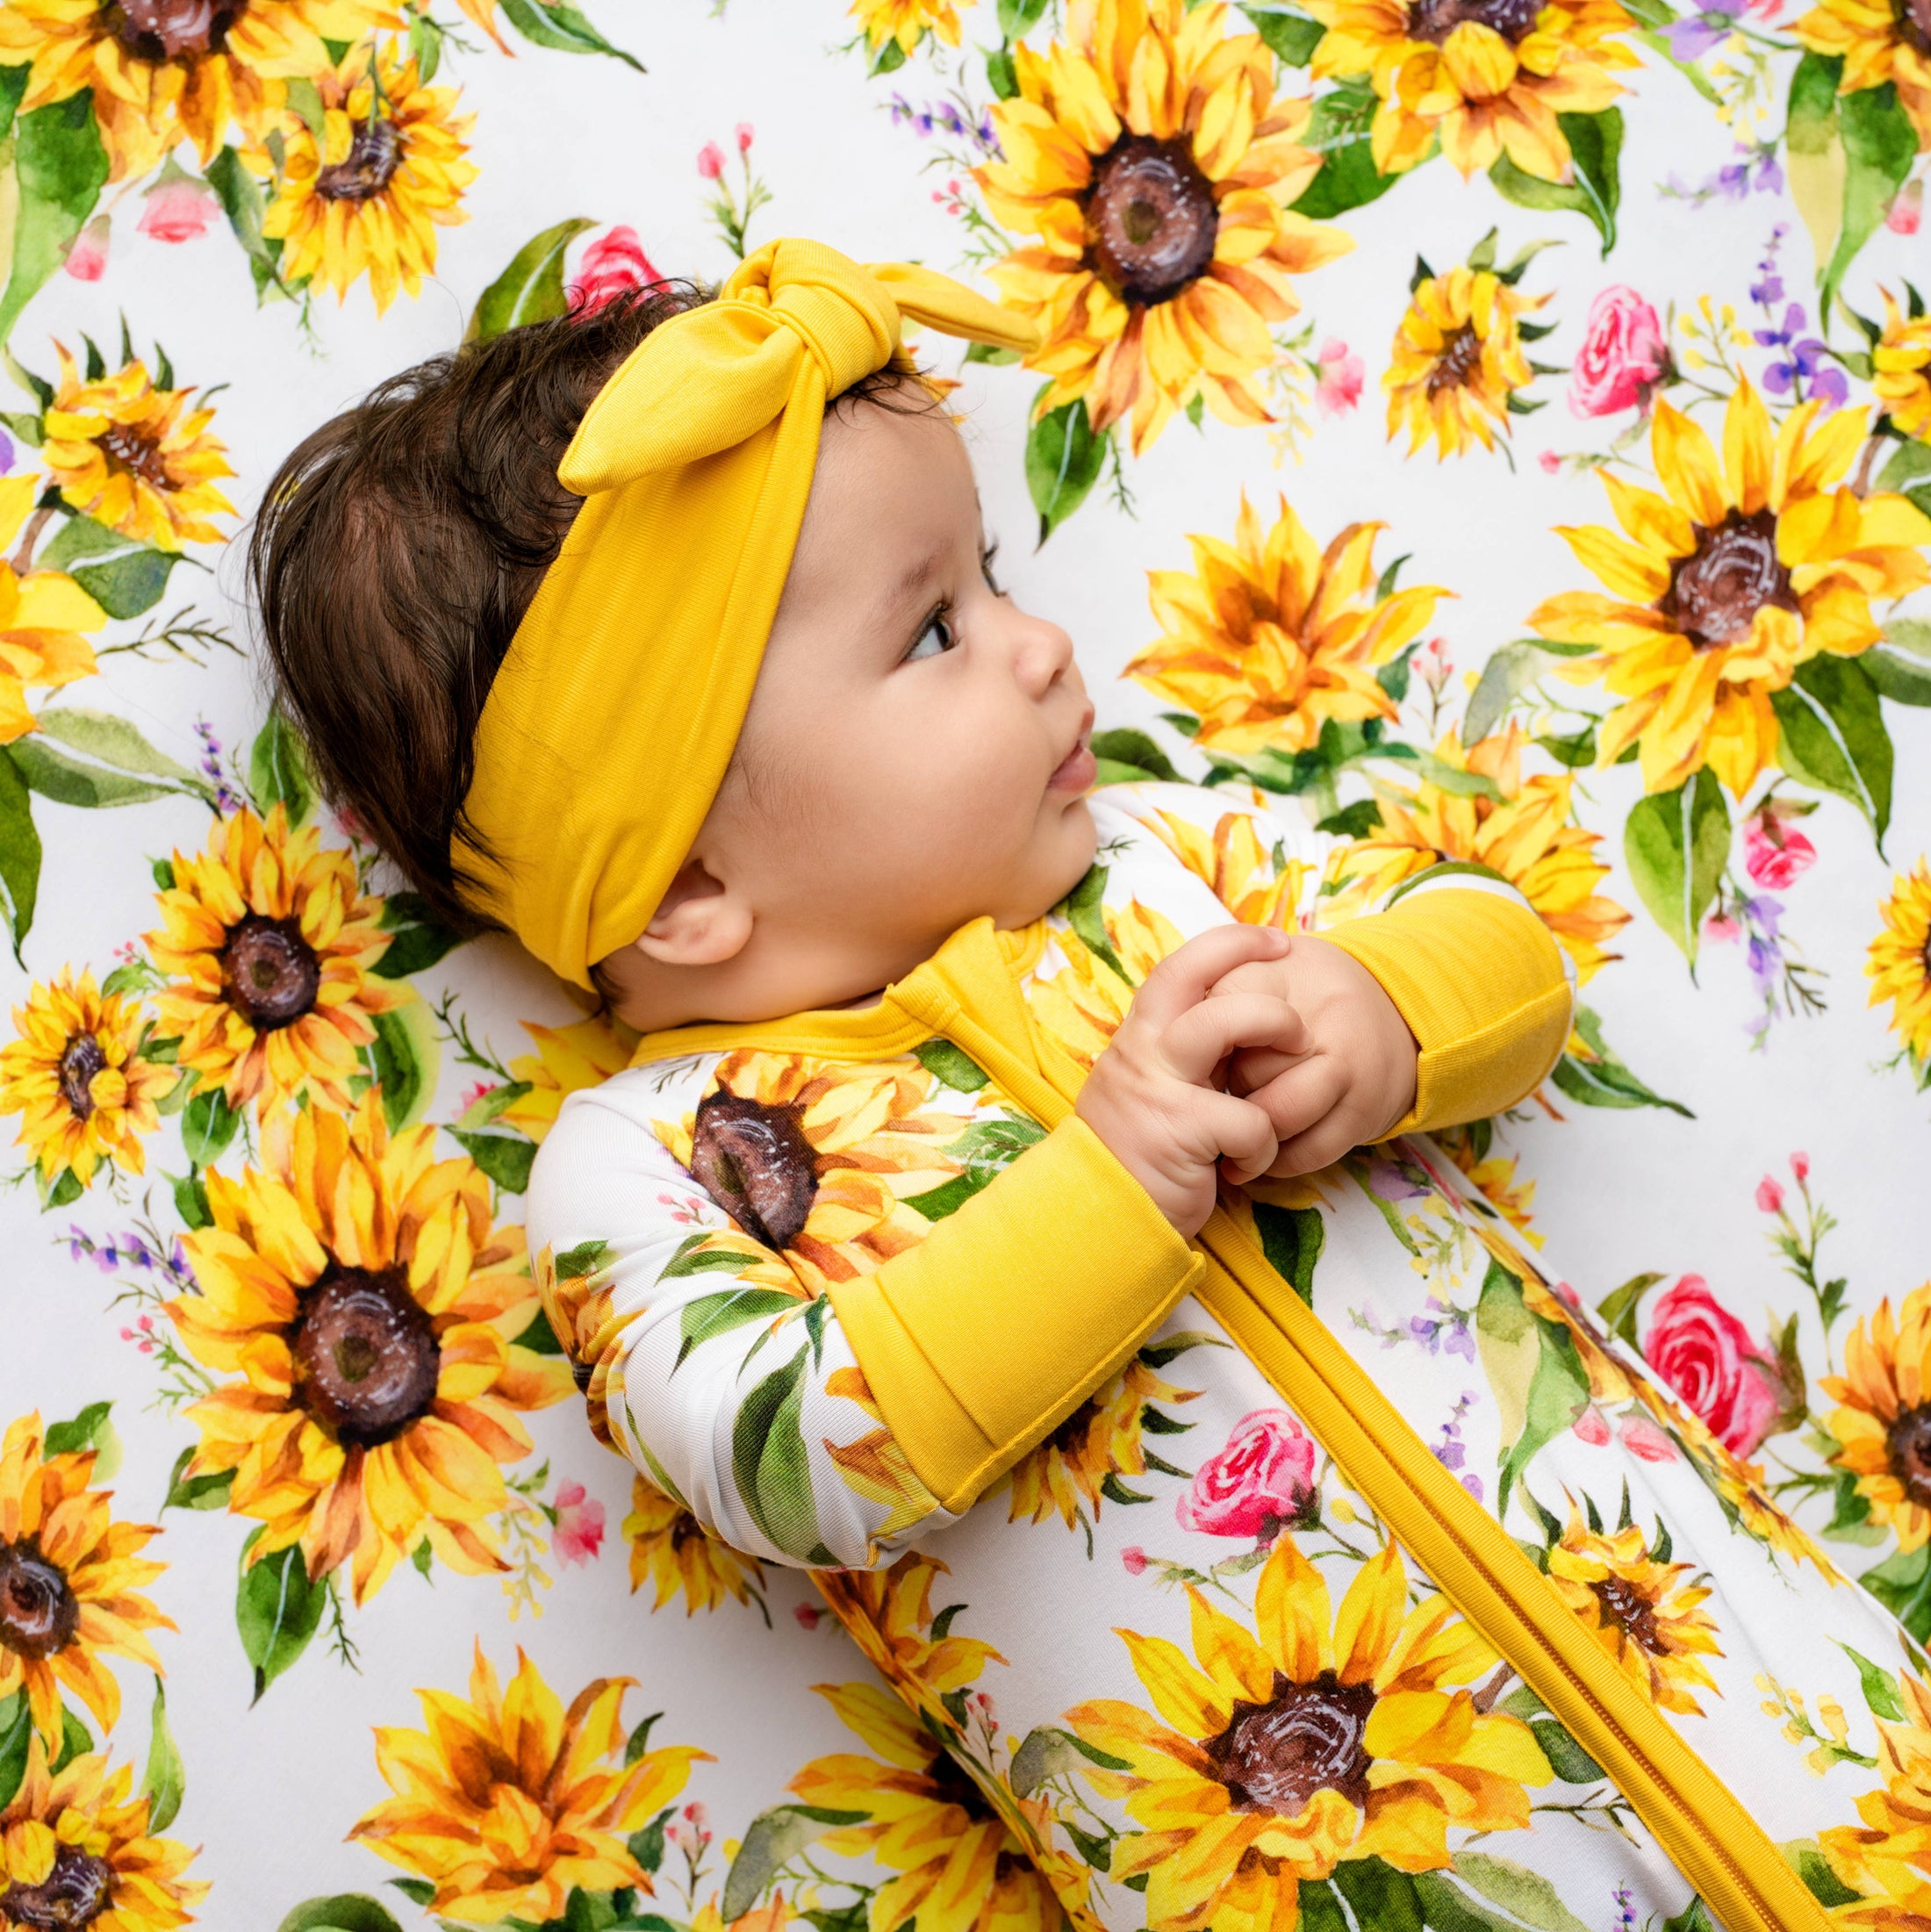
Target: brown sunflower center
[(164, 30), (374, 154), (80, 1061), (1460, 358), (1434, 20), (39, 1613), (126, 449), (755, 1162), (271, 972), (1717, 590), (955, 1787), (1151, 219), (366, 1358), (74, 1894), (1625, 1606), (1907, 1442), (1915, 24), (1305, 1738), (1072, 1434)]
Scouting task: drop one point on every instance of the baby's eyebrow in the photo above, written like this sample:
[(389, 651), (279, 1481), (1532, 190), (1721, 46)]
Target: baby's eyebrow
[(910, 584)]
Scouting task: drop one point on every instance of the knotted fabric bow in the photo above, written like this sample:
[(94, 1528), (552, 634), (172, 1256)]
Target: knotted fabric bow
[(612, 717)]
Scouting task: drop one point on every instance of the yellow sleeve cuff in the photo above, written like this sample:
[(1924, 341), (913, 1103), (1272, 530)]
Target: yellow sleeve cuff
[(1481, 983), (983, 1339)]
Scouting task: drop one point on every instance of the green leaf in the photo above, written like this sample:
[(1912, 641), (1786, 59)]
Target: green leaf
[(1595, 190), (1320, 1907), (1566, 1758), (191, 1202), (207, 1126), (1017, 18), (1355, 821), (406, 1057), (1898, 678), (890, 57), (1675, 845), (531, 288), (1604, 1080), (498, 1099), (67, 781), (1292, 35), (1448, 1908), (539, 1337), (1902, 1584), (1806, 1857), (125, 579), (277, 1611), (1378, 1895), (1338, 131), (773, 1839), (560, 27), (166, 1777), (1538, 1382), (59, 164), (585, 1258), (1880, 1687), (421, 941), (76, 1739), (197, 1492), (770, 1465), (1831, 735), (90, 1429), (1001, 75), (13, 86), (950, 1065), (350, 1912), (16, 1734), (19, 852), (709, 1316), (1617, 1309), (1064, 458), (1879, 145), (1509, 673), (278, 773), (505, 1158), (1082, 907), (1526, 1894), (991, 353), (110, 740), (243, 202), (1127, 755), (1814, 153), (1292, 1239)]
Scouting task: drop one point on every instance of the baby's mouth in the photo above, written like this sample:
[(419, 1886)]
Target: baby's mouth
[(1077, 771)]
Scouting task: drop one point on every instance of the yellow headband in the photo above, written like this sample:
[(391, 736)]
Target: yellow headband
[(612, 718)]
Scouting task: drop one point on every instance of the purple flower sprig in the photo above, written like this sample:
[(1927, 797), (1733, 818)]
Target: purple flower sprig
[(1781, 979), (1758, 172), (1693, 36), (227, 798), (960, 121), (1452, 1452)]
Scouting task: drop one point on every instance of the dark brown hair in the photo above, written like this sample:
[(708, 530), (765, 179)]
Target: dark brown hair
[(398, 548)]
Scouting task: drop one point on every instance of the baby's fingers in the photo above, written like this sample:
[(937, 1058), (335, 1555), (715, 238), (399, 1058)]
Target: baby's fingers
[(1185, 977), (1302, 1096), (1243, 1134), (1195, 1043)]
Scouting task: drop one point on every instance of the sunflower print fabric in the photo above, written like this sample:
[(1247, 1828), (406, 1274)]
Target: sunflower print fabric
[(1492, 434)]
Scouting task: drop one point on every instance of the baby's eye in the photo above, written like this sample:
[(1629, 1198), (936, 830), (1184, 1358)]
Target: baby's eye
[(934, 641)]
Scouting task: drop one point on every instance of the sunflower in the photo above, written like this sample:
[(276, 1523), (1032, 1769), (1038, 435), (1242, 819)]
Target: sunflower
[(1898, 960), (42, 614), (1647, 1615), (1485, 77), (1457, 359), (1325, 1736), (906, 22), (168, 71), (77, 1076), (889, 1613), (1495, 1178), (566, 1059), (69, 1578), (134, 458), (816, 1160), (1067, 1474), (1878, 41), (356, 1284), (1751, 565), (1268, 637), (508, 1803), (1148, 155), (875, 1465), (1236, 867), (1523, 829), (1885, 1859), (1082, 1006), (958, 1866), (273, 943), (388, 173), (671, 1550), (1903, 360), (1883, 1423), (75, 1850)]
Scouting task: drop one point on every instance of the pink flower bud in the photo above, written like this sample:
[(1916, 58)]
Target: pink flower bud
[(1800, 1166), (809, 1616), (1550, 462), (1337, 378), (86, 257), (1769, 1196), (1906, 210), (1134, 1559), (179, 208), (710, 160), (1592, 1426), (745, 136)]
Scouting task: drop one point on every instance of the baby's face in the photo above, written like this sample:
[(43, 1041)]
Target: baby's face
[(916, 752)]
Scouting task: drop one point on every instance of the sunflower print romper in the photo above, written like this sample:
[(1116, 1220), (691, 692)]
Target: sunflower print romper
[(1481, 1631)]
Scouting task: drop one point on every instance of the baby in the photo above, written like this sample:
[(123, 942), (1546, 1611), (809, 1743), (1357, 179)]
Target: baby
[(983, 1132)]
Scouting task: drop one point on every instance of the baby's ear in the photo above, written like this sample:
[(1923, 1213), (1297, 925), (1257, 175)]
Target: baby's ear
[(701, 921)]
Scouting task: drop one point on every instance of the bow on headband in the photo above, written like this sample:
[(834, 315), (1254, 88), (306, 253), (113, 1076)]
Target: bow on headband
[(612, 718)]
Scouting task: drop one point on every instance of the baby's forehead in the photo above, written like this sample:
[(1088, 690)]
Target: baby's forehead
[(891, 481)]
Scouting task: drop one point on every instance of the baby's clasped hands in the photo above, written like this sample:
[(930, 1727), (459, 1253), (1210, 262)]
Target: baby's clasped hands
[(1246, 1052)]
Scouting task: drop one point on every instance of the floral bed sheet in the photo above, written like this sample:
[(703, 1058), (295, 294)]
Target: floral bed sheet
[(1504, 430)]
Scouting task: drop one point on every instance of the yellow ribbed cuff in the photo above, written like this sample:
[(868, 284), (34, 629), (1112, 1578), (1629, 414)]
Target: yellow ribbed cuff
[(984, 1337), (1480, 982)]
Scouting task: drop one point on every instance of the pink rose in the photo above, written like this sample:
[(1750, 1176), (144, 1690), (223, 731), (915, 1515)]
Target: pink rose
[(1644, 1440), (578, 1533), (1906, 210), (179, 208), (614, 262), (1337, 379), (1592, 1426), (710, 160), (86, 257), (1261, 1479), (1623, 353), (1776, 854), (1706, 1355)]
